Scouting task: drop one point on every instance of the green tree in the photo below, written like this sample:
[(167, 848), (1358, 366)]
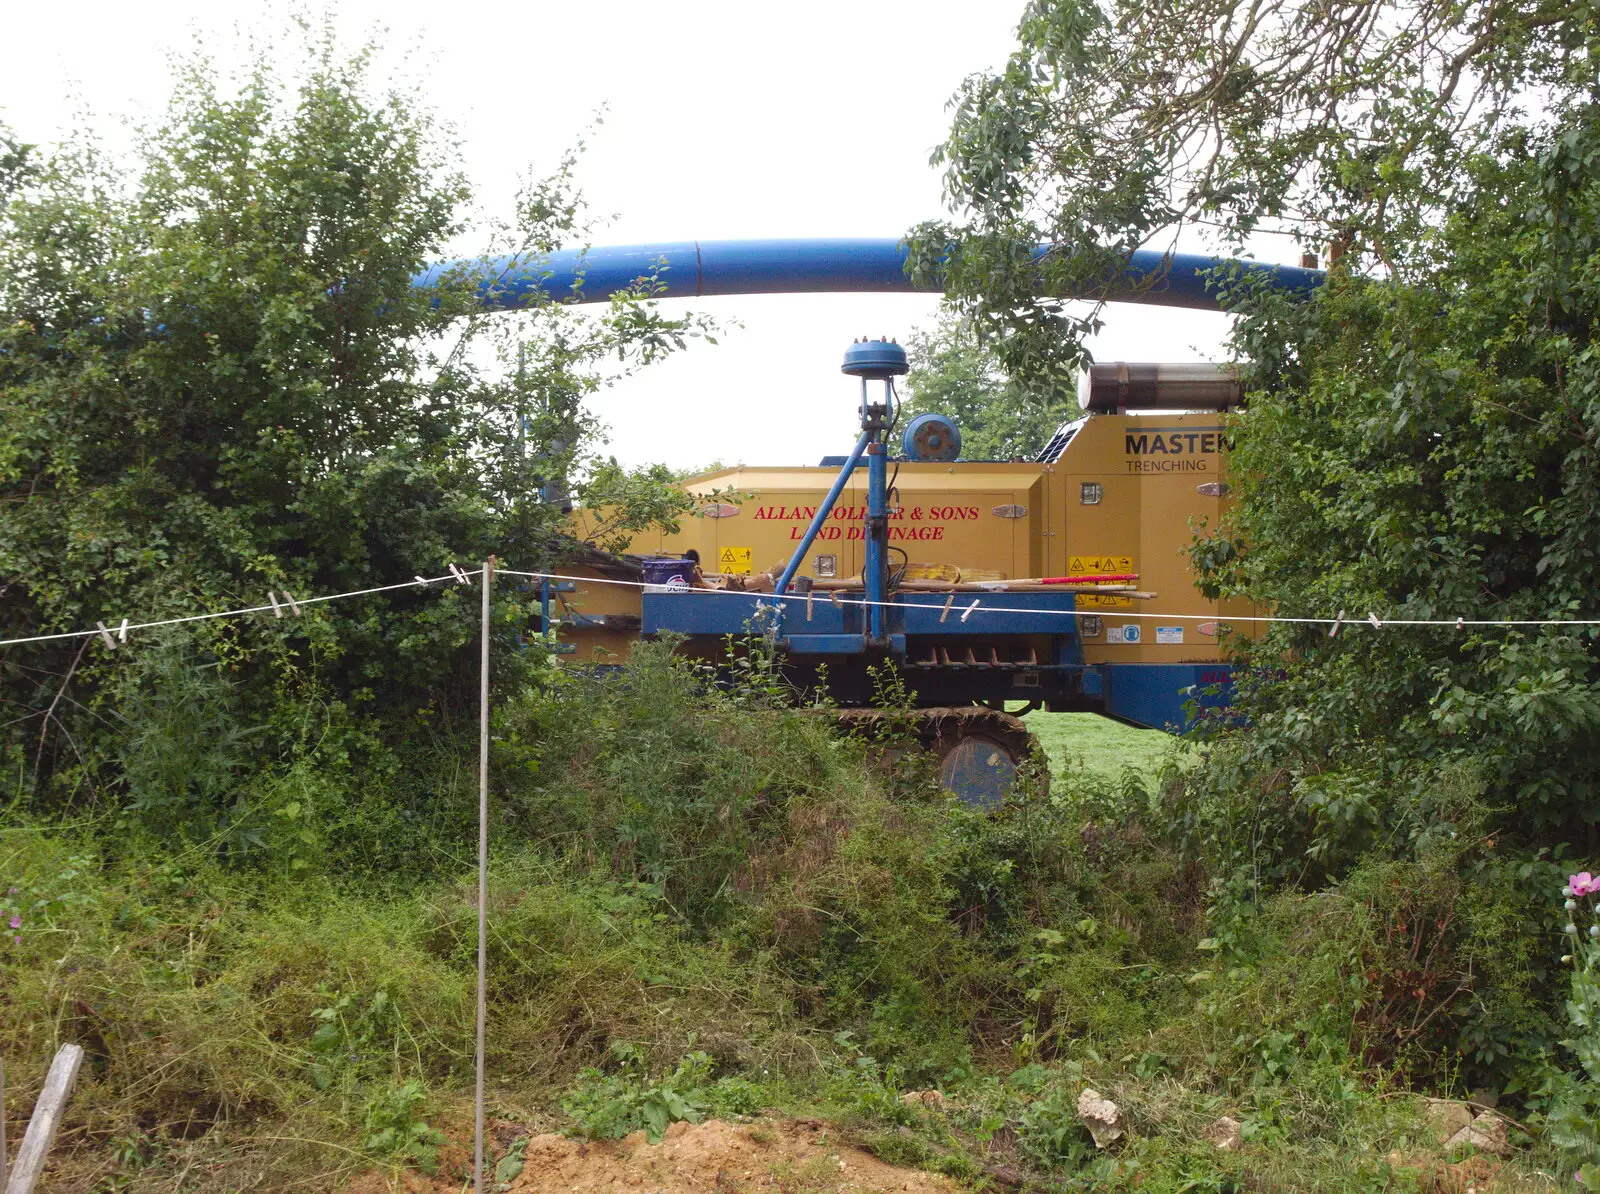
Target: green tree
[(954, 374), (1421, 437), (216, 379)]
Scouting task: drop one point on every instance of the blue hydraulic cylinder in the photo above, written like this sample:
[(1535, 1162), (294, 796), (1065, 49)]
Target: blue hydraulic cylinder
[(874, 569), (822, 513)]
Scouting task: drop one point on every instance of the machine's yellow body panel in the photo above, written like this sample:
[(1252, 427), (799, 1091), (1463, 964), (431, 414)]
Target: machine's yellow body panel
[(1123, 496), (582, 617)]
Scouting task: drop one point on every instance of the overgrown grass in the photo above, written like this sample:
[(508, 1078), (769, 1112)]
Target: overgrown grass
[(704, 903)]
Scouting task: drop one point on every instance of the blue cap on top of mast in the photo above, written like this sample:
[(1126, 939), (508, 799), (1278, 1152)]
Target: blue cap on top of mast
[(875, 360)]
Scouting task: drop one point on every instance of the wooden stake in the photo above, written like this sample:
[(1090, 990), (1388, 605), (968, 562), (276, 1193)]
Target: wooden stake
[(483, 874), (46, 1119)]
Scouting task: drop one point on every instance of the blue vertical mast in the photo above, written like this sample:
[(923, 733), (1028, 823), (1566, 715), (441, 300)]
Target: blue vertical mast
[(870, 360)]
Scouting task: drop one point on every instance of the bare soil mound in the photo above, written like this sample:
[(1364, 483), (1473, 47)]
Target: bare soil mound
[(787, 1157), (800, 1156)]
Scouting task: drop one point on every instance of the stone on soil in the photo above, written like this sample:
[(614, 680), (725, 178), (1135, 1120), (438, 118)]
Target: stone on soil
[(1446, 1117), (1487, 1134), (1225, 1133), (1101, 1116)]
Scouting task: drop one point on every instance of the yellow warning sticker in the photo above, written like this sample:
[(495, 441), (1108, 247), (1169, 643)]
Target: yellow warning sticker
[(1090, 565), (1110, 601), (735, 561), (1079, 565)]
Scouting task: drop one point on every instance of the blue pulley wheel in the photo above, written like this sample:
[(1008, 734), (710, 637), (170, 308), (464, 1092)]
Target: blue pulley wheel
[(932, 437)]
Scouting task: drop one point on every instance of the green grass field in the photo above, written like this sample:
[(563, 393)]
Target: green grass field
[(1101, 744)]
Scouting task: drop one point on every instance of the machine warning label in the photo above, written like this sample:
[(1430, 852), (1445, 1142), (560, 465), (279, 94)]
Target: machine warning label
[(734, 560), (1169, 634), (1089, 566), (1109, 601), (1082, 565), (1122, 634)]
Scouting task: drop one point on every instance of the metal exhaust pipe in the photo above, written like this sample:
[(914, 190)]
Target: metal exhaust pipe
[(1116, 386)]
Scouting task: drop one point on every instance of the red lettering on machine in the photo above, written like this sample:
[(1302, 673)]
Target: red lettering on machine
[(800, 517), (858, 513)]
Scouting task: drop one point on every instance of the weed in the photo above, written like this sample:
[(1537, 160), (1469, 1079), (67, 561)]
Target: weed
[(700, 904), (352, 1034), (509, 1167), (395, 1129), (607, 1106), (1050, 1133), (823, 1174)]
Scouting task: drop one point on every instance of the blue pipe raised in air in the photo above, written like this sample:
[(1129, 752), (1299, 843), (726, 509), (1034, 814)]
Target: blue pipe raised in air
[(844, 265)]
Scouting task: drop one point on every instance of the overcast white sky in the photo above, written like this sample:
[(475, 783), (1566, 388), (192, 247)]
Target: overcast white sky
[(727, 118)]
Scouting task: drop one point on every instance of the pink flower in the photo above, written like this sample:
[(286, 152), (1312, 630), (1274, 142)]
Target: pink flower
[(16, 922), (1583, 883)]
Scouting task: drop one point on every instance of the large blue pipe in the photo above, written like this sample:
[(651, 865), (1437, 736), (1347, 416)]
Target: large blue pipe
[(843, 265)]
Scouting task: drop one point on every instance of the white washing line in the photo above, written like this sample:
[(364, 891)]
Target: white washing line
[(1108, 615), (277, 603), (275, 607)]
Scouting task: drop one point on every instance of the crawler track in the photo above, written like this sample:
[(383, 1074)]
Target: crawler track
[(979, 749)]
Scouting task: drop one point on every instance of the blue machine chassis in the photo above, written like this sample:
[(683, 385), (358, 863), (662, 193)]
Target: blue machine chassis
[(1030, 649)]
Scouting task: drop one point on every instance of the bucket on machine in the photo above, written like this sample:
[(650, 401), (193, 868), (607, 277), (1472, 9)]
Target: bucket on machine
[(675, 572)]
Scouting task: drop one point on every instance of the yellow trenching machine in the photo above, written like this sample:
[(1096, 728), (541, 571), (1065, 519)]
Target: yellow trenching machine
[(1060, 582)]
